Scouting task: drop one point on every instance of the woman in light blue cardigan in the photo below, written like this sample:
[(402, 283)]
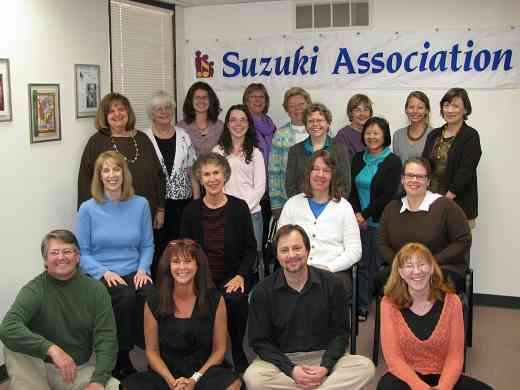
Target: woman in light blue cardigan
[(114, 230)]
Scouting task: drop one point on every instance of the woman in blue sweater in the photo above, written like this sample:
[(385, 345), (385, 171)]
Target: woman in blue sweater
[(114, 230), (375, 177)]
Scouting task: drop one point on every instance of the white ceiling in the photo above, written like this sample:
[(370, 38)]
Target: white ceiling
[(199, 3)]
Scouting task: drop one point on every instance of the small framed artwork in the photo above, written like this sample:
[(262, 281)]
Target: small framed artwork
[(44, 110), (6, 113), (87, 90)]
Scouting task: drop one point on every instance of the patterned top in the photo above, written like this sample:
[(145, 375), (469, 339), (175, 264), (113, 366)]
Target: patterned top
[(440, 156), (441, 353), (178, 182), (283, 139), (203, 144)]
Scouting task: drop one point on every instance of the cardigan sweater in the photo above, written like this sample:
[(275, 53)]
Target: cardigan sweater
[(442, 353), (334, 235), (382, 189), (203, 144), (147, 174), (239, 238), (461, 168), (297, 168), (74, 314), (443, 229), (115, 236)]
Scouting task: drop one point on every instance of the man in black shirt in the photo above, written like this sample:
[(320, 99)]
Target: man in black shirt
[(298, 325)]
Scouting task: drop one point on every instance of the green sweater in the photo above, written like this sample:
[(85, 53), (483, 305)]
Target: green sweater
[(76, 315)]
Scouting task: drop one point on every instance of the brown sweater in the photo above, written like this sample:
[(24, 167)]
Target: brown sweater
[(443, 229), (147, 174)]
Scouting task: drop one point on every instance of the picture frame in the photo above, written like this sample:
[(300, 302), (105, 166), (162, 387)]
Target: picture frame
[(87, 81), (44, 112), (6, 111)]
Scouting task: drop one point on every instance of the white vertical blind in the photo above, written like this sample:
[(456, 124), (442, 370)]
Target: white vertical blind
[(142, 53)]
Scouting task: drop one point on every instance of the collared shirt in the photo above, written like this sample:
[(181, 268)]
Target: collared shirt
[(283, 320), (429, 198)]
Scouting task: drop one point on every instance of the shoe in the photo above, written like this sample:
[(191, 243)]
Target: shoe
[(362, 315), (124, 372)]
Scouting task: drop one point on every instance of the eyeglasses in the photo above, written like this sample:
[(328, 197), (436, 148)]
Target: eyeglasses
[(65, 252), (414, 176), (201, 98), (409, 267), (162, 109)]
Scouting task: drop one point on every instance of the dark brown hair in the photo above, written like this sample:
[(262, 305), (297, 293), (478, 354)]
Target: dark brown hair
[(336, 182), (452, 94), (104, 109), (188, 110), (285, 230), (165, 284)]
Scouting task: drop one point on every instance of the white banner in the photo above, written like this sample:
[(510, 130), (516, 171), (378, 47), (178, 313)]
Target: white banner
[(360, 60)]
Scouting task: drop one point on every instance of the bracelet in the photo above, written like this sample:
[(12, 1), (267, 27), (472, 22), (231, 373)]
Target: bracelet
[(196, 376)]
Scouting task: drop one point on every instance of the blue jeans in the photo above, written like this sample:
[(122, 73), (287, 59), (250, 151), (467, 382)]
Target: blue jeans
[(368, 266), (258, 227)]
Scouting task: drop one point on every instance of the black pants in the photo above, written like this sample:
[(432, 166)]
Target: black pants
[(391, 382), (237, 307), (383, 274), (170, 230), (128, 306)]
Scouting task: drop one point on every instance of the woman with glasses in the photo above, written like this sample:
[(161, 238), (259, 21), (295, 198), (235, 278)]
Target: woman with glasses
[(200, 110), (359, 110), (114, 230), (176, 154), (327, 218), (185, 327), (317, 118), (221, 224), (421, 216), (422, 327)]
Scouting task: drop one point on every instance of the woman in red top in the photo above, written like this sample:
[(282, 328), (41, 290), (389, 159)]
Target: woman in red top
[(422, 331)]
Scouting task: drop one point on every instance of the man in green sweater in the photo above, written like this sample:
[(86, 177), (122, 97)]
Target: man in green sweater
[(57, 320)]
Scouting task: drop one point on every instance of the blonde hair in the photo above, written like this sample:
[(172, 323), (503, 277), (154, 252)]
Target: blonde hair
[(295, 91), (97, 188), (396, 288)]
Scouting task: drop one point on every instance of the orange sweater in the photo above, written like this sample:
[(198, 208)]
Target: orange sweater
[(442, 353)]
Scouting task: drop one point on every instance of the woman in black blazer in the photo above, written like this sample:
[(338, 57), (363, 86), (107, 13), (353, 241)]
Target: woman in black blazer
[(222, 225), (454, 153), (375, 178)]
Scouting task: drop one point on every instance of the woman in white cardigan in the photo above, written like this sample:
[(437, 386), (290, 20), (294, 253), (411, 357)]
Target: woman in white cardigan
[(327, 218)]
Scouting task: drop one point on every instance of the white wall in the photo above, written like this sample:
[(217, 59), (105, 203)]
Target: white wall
[(43, 40), (496, 243)]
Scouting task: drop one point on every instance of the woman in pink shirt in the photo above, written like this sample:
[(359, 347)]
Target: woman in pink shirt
[(422, 330), (238, 143)]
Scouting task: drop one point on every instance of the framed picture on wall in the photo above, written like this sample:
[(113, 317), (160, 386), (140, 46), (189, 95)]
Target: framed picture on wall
[(44, 111), (87, 90), (6, 113)]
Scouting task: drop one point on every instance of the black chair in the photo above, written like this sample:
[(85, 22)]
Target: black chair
[(466, 298)]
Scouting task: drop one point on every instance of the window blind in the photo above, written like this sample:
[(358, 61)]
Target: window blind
[(142, 53)]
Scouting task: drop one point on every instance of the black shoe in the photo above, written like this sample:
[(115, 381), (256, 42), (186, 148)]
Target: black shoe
[(362, 315), (124, 372)]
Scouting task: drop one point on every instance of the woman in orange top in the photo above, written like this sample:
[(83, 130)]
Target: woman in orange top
[(422, 331)]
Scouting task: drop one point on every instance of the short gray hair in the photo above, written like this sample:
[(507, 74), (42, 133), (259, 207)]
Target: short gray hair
[(62, 235), (159, 98)]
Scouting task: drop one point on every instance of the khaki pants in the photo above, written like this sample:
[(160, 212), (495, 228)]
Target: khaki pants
[(351, 372), (30, 373)]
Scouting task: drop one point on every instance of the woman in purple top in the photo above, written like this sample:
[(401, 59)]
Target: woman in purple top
[(359, 110), (200, 117), (256, 99)]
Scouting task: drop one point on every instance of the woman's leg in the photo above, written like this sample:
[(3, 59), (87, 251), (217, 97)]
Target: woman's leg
[(258, 224)]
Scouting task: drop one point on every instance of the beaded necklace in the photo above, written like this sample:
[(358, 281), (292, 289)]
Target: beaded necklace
[(137, 154)]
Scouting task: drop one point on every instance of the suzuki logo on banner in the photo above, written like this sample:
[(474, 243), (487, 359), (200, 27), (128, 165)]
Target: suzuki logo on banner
[(203, 67)]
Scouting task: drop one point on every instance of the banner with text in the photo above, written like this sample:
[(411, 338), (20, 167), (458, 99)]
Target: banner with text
[(359, 60)]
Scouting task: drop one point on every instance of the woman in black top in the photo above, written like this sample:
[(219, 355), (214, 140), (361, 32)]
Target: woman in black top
[(185, 327), (222, 225), (454, 153), (375, 179)]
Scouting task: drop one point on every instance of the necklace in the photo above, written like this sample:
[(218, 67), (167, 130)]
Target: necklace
[(414, 139), (203, 131), (136, 156), (443, 143)]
